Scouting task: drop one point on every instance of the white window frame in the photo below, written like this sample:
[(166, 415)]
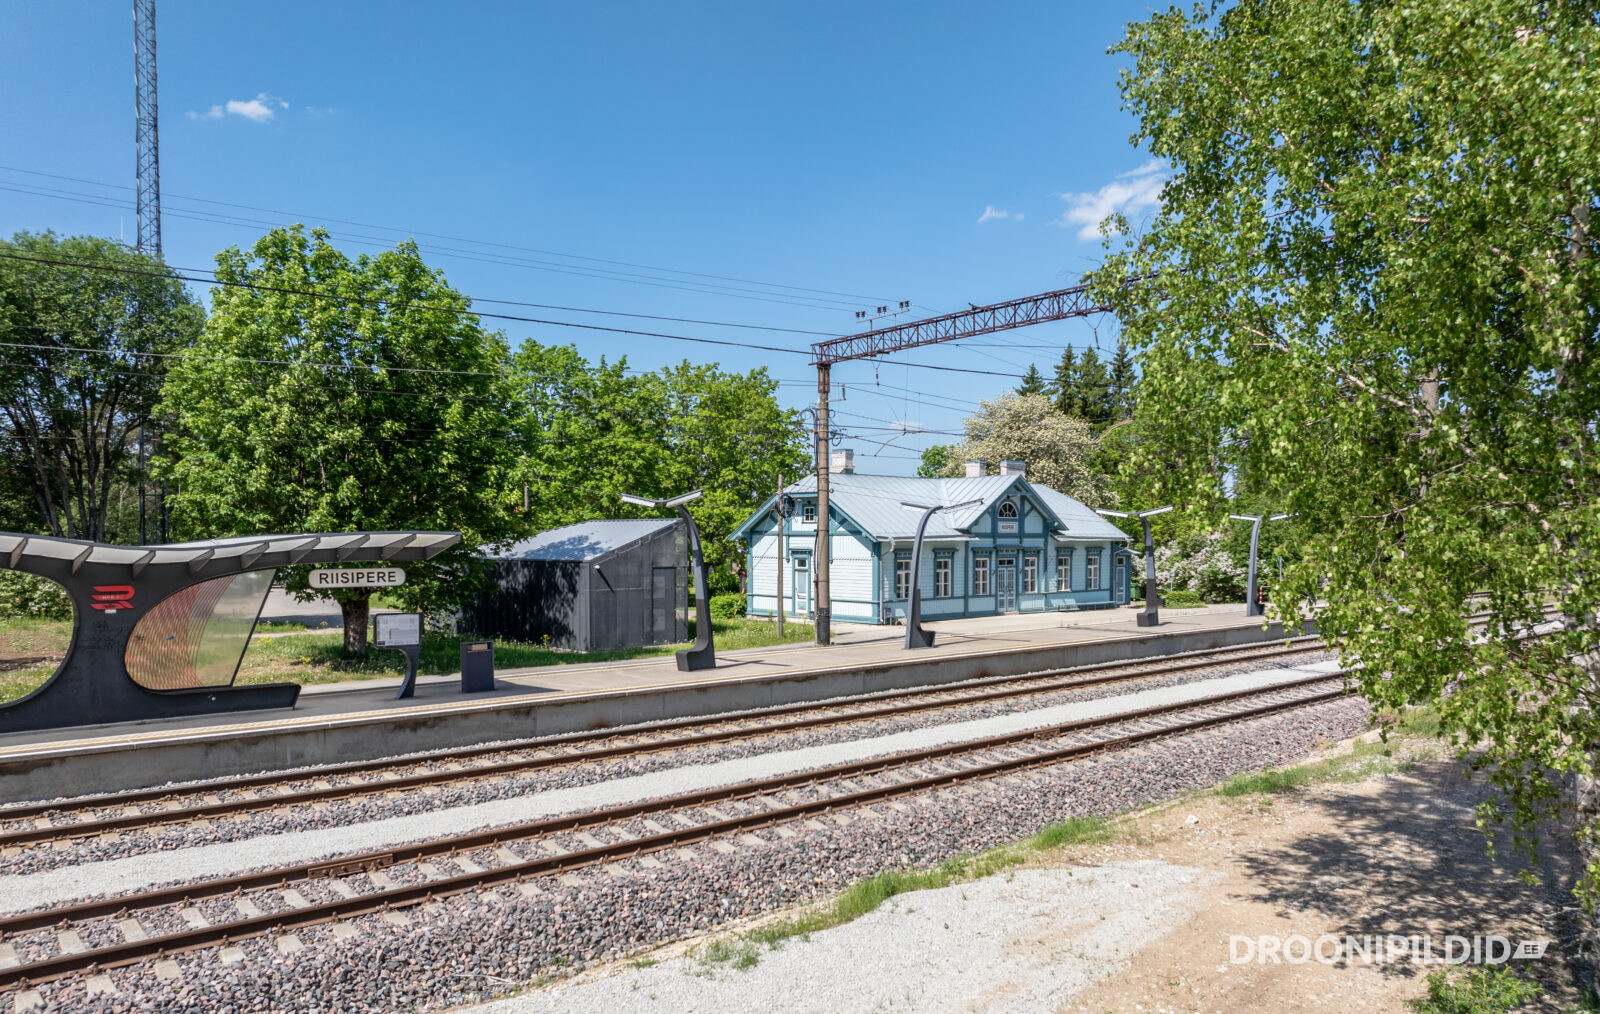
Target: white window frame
[(1063, 570), (1091, 570), (1030, 575), (943, 577), (981, 575), (1004, 508), (902, 578), (808, 514)]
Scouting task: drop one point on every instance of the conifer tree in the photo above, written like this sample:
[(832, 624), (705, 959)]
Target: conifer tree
[(1063, 389), (1032, 382)]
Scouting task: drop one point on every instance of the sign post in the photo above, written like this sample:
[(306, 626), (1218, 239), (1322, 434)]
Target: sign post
[(401, 632)]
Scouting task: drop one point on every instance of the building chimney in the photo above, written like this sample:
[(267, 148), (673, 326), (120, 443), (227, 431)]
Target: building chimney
[(1014, 468), (843, 462), (975, 468)]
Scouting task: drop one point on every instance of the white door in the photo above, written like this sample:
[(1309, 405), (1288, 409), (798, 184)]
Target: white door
[(802, 585), (1005, 584)]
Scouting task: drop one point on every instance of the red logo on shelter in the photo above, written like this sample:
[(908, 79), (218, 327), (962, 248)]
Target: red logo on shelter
[(112, 597)]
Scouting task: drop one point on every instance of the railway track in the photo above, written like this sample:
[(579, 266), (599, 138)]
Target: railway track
[(44, 823), (117, 931)]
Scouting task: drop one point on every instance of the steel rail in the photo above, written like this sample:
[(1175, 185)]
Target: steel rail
[(283, 876), (403, 896), (954, 698)]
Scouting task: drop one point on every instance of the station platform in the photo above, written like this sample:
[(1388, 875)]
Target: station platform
[(361, 720)]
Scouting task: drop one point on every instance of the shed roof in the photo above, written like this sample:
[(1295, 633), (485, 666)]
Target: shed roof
[(874, 503), (585, 540)]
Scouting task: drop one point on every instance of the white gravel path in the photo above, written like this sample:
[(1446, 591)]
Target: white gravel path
[(21, 892), (1022, 942)]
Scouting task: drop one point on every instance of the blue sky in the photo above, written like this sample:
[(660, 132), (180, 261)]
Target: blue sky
[(775, 164)]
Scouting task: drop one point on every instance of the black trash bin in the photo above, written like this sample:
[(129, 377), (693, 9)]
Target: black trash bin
[(477, 666)]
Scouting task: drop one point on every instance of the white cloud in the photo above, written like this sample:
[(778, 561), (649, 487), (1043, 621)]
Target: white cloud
[(256, 110), (991, 213), (1128, 194)]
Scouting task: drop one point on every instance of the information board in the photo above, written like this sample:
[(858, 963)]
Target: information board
[(397, 630)]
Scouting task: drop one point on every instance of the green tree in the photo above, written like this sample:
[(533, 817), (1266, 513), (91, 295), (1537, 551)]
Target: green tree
[(87, 327), (331, 395), (588, 434), (1094, 389), (1378, 297), (1064, 385), (1032, 381), (1122, 379), (1059, 450), (936, 460)]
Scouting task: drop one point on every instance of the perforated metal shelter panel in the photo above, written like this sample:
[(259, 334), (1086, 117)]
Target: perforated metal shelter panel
[(196, 637)]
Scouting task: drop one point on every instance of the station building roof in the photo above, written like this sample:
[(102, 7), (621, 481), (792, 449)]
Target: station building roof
[(874, 503)]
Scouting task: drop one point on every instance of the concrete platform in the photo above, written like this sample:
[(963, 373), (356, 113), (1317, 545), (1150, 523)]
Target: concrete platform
[(361, 720)]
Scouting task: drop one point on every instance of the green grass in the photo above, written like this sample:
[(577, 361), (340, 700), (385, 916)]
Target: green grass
[(1363, 761), (312, 658), (30, 652), (1479, 990)]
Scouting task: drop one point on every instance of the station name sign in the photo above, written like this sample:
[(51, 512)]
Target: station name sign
[(335, 578)]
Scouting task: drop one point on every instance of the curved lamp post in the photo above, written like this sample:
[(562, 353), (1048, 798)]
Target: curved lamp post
[(1152, 615), (1252, 607), (703, 654), (916, 637)]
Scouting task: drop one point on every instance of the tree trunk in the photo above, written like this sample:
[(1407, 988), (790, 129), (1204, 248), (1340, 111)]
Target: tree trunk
[(355, 624)]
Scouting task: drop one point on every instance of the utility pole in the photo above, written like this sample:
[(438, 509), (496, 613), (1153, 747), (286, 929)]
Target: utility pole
[(146, 141), (823, 604)]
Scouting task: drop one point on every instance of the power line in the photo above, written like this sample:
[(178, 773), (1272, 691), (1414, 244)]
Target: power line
[(461, 239), (390, 304)]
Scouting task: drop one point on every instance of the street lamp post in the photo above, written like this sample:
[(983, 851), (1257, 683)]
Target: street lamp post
[(916, 637), (703, 654), (1151, 616), (1252, 606)]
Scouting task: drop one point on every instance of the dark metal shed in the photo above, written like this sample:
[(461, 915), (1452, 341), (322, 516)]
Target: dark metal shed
[(592, 586)]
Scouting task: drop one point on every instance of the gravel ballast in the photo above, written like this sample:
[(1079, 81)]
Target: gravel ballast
[(24, 891), (469, 947)]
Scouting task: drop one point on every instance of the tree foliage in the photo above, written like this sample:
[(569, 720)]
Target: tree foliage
[(589, 433), (1059, 450), (331, 395), (1377, 297), (87, 328)]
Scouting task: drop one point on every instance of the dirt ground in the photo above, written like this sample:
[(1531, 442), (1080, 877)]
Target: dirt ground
[(1398, 853)]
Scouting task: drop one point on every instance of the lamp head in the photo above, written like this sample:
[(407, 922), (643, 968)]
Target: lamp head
[(1158, 510), (1114, 514), (1280, 517), (639, 500), (685, 498), (1245, 517)]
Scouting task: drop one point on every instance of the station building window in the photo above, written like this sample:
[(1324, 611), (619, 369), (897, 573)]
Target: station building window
[(941, 577), (1063, 570), (1030, 575), (1008, 510), (980, 575), (808, 514), (1091, 569), (902, 578)]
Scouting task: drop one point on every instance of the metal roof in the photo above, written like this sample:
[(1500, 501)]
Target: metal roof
[(247, 552), (873, 502), (1078, 520), (583, 541)]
